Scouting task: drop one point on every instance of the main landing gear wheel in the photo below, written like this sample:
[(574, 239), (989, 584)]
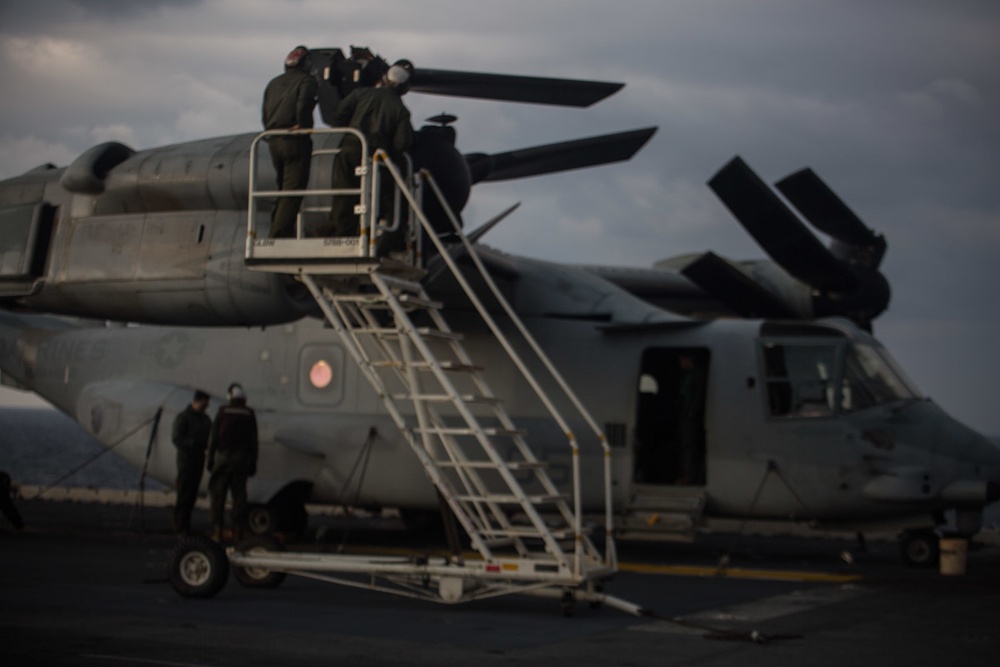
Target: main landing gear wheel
[(269, 519), (258, 577), (262, 519), (198, 567), (919, 548)]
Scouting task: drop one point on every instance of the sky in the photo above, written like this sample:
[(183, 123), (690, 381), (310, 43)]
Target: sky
[(894, 103)]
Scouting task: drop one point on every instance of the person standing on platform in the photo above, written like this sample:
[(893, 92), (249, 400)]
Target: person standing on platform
[(289, 100), (380, 115)]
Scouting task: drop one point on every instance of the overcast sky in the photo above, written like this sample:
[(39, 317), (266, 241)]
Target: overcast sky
[(895, 104)]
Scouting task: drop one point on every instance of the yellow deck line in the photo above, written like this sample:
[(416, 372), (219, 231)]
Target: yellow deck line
[(737, 573)]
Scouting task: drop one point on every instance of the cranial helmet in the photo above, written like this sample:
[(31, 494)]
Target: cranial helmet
[(399, 74), (299, 57), (236, 391)]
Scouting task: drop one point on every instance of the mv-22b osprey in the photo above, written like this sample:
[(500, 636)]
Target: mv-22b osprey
[(719, 389)]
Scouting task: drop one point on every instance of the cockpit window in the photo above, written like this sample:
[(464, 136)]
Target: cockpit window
[(800, 379), (872, 378)]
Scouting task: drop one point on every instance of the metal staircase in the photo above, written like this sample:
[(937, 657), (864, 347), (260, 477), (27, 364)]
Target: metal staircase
[(528, 533), (434, 391)]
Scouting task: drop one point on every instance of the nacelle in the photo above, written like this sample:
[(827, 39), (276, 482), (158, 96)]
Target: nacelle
[(181, 268)]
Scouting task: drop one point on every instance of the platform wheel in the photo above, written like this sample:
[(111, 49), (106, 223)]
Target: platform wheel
[(258, 577), (198, 567)]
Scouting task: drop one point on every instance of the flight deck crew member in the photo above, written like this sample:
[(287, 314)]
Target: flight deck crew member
[(289, 100), (7, 506), (232, 459), (379, 114), (690, 424), (190, 436)]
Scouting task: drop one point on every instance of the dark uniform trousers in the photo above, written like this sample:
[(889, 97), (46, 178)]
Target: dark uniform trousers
[(190, 463), (290, 156), (230, 474)]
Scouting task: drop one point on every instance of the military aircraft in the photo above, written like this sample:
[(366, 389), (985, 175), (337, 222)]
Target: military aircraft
[(725, 390)]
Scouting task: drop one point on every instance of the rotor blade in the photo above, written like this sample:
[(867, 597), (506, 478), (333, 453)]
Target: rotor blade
[(562, 156), (824, 209), (720, 279), (828, 213), (512, 88), (782, 235)]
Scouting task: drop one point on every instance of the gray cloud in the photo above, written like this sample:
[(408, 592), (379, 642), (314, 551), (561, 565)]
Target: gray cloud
[(892, 103)]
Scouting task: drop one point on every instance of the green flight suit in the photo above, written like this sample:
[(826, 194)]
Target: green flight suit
[(289, 100), (379, 114)]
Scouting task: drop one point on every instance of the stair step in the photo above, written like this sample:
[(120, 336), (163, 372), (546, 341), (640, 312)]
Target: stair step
[(453, 366), (489, 465), (464, 430), (417, 302), (507, 499), (443, 398), (564, 533), (426, 332)]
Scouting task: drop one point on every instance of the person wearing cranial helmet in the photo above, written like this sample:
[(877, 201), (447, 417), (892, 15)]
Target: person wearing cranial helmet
[(380, 115), (232, 459), (288, 104)]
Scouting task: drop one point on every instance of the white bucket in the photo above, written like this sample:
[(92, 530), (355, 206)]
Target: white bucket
[(953, 554)]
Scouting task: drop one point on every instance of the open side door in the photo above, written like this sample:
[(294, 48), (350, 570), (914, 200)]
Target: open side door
[(25, 233)]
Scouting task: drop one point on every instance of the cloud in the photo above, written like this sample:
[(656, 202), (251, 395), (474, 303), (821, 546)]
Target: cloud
[(19, 154), (893, 103)]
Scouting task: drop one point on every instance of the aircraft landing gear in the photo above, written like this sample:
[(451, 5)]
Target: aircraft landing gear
[(277, 517), (919, 547)]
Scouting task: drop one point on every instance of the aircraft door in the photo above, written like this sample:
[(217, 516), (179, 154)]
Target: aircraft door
[(670, 417), (25, 232)]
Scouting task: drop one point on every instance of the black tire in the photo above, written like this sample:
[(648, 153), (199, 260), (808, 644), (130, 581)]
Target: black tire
[(262, 520), (919, 548), (255, 577), (269, 519), (198, 567)]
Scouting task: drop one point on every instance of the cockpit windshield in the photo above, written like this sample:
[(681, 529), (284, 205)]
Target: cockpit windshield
[(872, 377), (819, 378)]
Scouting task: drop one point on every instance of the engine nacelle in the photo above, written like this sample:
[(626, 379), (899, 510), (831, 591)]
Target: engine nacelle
[(181, 268)]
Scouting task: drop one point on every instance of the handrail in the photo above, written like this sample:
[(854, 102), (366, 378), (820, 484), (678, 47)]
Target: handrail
[(368, 192), (367, 224), (515, 358)]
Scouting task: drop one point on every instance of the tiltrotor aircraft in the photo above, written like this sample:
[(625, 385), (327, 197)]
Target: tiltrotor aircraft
[(739, 390)]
